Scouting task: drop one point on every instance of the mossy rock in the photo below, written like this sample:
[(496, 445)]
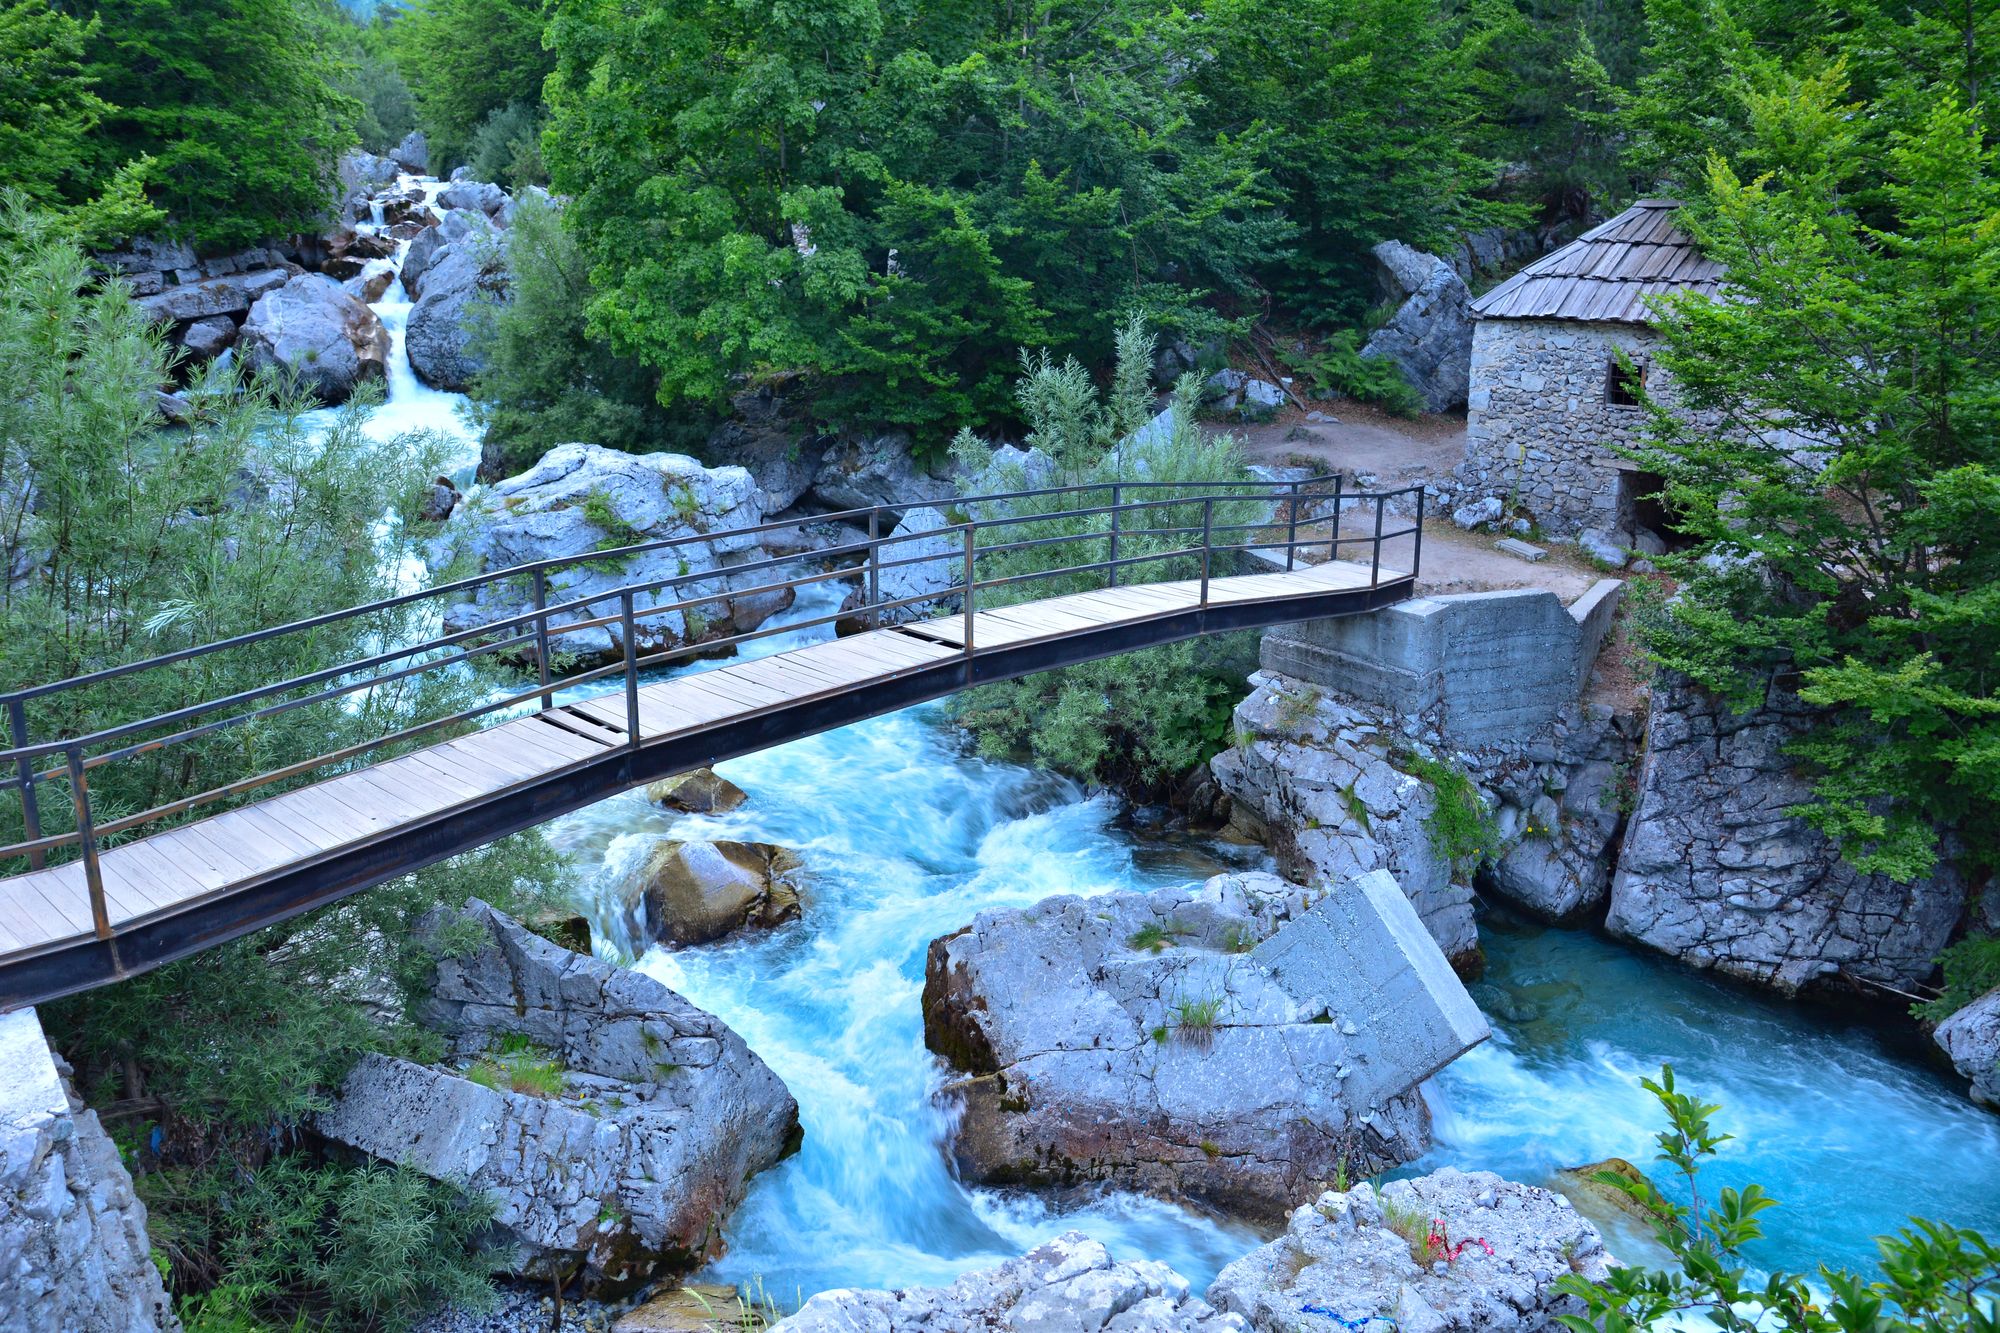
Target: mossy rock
[(701, 792), (1591, 1194)]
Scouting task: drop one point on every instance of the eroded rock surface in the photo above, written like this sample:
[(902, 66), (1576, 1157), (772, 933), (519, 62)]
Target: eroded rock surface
[(702, 791), (880, 471), (694, 892), (1971, 1037), (1069, 1285), (315, 331), (1237, 1044), (1716, 873), (1429, 338), (1362, 1256), (580, 498), (663, 1113)]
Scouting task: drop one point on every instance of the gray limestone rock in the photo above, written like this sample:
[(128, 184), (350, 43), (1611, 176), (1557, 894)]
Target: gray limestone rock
[(770, 433), (480, 196), (663, 1114), (1971, 1037), (1429, 338), (459, 279), (940, 551), (1368, 1256), (1604, 549), (413, 154), (878, 471), (555, 509), (1477, 513), (204, 339), (1068, 1285), (74, 1254), (1237, 1043), (313, 329), (1714, 872), (1313, 778), (231, 294)]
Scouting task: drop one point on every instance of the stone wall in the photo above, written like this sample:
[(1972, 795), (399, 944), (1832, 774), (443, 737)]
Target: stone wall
[(1714, 872), (1539, 420), (73, 1249)]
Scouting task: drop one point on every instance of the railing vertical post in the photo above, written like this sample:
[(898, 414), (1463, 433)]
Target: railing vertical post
[(1207, 526), (971, 593), (1292, 528), (1417, 548), (630, 634), (1115, 488), (86, 837), (542, 635), (1375, 557), (874, 616), (1333, 547), (31, 810)]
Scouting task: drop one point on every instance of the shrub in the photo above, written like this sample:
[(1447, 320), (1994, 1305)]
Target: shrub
[(1339, 368), (507, 147), (1459, 826), (1142, 720), (1934, 1277)]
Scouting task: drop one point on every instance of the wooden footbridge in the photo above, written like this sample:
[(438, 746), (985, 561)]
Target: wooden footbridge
[(108, 894)]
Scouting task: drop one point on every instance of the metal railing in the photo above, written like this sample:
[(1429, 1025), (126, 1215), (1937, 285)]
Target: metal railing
[(533, 634)]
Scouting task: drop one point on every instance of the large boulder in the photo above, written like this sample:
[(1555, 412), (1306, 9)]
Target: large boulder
[(1971, 1037), (1068, 1285), (695, 892), (1316, 779), (880, 471), (206, 339), (1451, 1252), (702, 791), (1237, 1044), (581, 498), (624, 1151), (478, 196), (74, 1253), (773, 435), (313, 329), (1716, 873), (230, 294), (461, 277), (413, 154), (1430, 336), (365, 171)]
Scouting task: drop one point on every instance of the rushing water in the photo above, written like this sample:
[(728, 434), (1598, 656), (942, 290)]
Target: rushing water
[(906, 837)]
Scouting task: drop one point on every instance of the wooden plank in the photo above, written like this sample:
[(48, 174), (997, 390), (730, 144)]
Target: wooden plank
[(468, 766), (151, 873), (19, 928), (747, 696)]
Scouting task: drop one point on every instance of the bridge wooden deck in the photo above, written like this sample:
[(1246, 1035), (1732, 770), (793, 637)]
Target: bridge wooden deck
[(198, 884)]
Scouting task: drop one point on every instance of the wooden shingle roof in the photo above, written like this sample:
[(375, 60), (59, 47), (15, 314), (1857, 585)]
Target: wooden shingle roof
[(1608, 272)]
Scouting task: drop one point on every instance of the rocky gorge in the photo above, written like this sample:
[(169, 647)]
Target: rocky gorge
[(798, 950)]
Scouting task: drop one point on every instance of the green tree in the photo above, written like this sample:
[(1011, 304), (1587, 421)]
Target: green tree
[(232, 104), (466, 59), (1844, 494), (1934, 1278), (546, 380), (122, 541), (1372, 109), (894, 198), (48, 113), (388, 109)]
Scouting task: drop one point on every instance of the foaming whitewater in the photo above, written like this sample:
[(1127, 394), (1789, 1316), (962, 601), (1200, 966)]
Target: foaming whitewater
[(906, 837)]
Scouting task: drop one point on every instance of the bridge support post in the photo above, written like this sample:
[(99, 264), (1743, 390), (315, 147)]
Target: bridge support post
[(1375, 551), (629, 633), (86, 839), (1333, 546), (542, 635), (1292, 528), (874, 616), (31, 810), (1207, 529), (971, 594), (1113, 574)]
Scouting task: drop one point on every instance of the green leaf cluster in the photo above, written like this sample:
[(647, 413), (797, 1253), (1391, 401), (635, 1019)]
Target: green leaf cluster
[(467, 60), (1841, 462), (1934, 1278)]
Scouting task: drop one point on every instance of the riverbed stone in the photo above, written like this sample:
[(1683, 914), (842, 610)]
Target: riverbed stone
[(1716, 873), (1971, 1037), (1237, 1043), (314, 331), (693, 892), (630, 1170), (1070, 1284), (702, 791), (74, 1254), (230, 294), (462, 279), (879, 470), (1366, 1255), (582, 497)]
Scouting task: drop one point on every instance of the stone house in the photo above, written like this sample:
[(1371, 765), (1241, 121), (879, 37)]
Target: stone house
[(1549, 397)]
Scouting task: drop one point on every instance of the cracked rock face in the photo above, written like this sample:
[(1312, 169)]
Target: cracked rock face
[(1715, 872), (1236, 1043), (662, 1117), (1314, 781), (1360, 1256), (1971, 1037), (1069, 1285)]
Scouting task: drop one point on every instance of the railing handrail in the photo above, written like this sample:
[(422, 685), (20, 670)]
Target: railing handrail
[(539, 625)]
